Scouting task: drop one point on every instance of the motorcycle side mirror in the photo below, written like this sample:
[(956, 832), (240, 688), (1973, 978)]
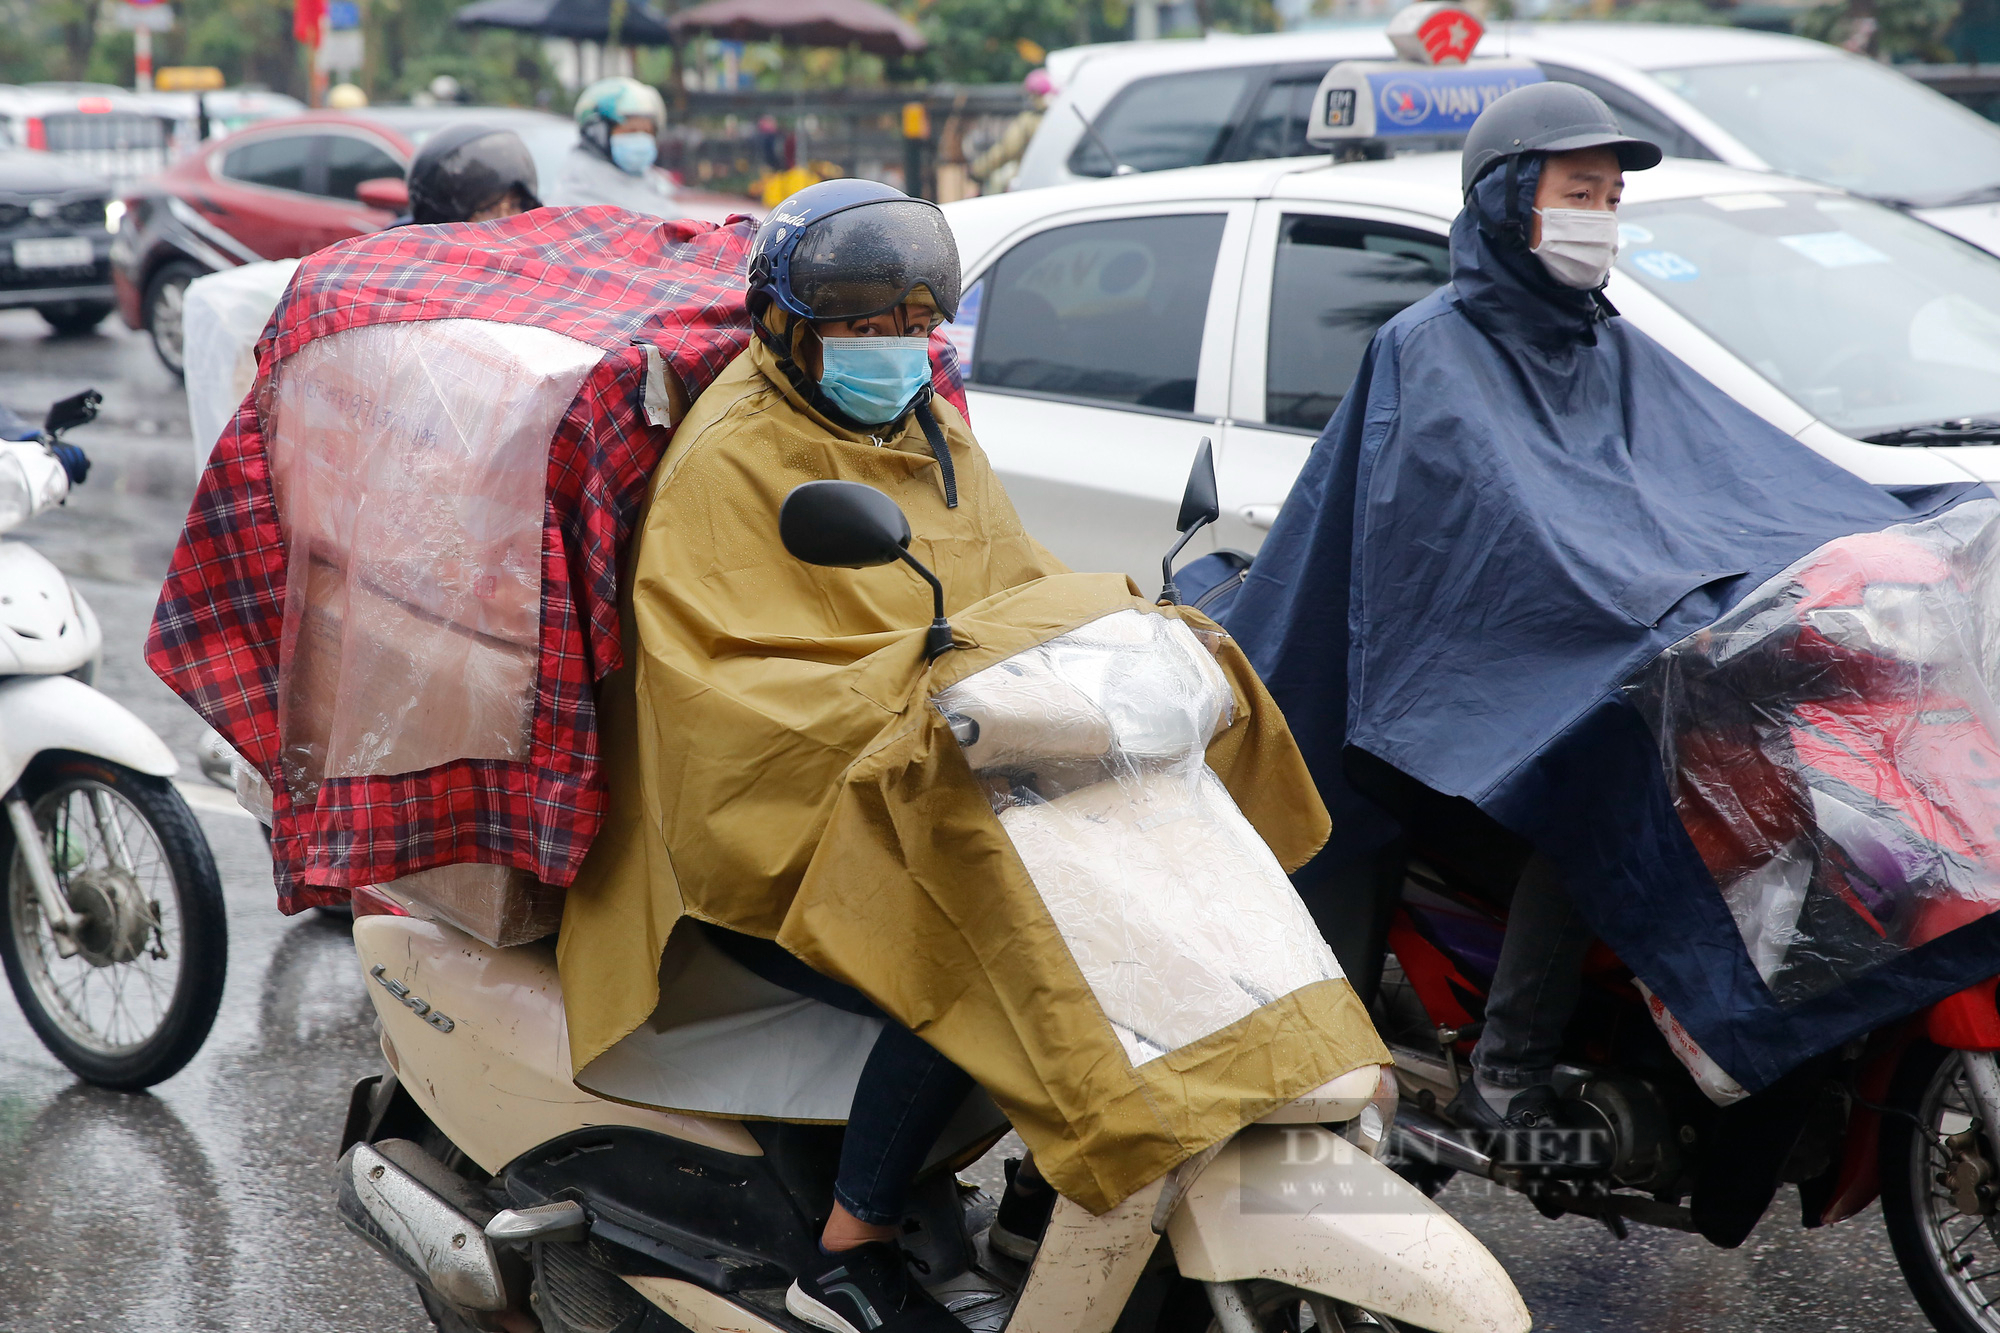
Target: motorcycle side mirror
[(1199, 508), (71, 412), (846, 525)]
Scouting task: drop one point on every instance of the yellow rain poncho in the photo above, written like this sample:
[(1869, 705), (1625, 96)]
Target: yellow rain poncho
[(777, 768)]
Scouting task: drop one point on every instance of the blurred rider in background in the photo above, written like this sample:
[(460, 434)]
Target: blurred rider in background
[(471, 173), (618, 122)]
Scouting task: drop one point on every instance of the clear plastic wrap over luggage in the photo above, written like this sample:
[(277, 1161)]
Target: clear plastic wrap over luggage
[(1091, 747), (410, 464), (222, 317), (1833, 748)]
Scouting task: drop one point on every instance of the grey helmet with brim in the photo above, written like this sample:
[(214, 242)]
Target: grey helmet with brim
[(1548, 118)]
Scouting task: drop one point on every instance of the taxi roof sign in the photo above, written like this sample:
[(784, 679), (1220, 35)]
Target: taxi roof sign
[(188, 79), (1398, 104), (1435, 34)]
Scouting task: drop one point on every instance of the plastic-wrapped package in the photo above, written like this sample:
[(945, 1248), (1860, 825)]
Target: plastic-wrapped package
[(1833, 747), (498, 904), (1091, 748), (222, 317), (410, 462)]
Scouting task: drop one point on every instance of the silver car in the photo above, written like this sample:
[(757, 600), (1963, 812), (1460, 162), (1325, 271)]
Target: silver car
[(1747, 99)]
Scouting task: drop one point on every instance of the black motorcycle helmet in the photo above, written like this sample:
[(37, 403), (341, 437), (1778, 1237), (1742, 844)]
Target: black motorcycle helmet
[(845, 249), (465, 168), (1548, 118)]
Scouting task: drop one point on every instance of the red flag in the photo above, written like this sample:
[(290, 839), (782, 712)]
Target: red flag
[(306, 17)]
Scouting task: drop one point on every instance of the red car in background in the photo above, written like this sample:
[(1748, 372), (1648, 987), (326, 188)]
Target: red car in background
[(288, 187)]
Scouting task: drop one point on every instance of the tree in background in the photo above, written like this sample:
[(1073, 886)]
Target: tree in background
[(1888, 29), (409, 43), (46, 39), (999, 41), (251, 40)]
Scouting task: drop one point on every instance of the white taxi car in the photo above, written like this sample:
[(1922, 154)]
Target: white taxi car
[(1107, 328), (1749, 99)]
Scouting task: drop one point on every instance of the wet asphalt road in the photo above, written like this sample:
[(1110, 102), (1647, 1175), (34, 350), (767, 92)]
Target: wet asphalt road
[(206, 1205)]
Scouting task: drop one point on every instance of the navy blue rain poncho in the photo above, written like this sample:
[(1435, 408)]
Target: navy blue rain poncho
[(1521, 502)]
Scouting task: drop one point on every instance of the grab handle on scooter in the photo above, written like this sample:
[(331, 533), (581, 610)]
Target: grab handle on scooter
[(561, 1221)]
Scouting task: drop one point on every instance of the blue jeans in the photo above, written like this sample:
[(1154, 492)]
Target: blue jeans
[(907, 1094), (1536, 983)]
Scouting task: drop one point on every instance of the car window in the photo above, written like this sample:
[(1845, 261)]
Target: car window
[(1637, 118), (1102, 310), (1851, 123), (349, 161), (1866, 317), (278, 162), (1277, 125), (1174, 120), (1336, 283)]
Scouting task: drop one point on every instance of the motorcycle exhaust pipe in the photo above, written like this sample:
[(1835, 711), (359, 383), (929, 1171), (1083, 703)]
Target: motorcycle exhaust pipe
[(406, 1204)]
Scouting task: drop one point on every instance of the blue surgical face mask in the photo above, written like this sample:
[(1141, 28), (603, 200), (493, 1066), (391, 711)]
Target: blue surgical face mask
[(633, 153), (874, 379)]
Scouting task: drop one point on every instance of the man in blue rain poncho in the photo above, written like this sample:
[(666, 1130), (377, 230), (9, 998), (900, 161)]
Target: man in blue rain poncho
[(1521, 501)]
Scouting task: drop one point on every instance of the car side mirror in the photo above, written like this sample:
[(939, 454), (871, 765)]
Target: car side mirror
[(391, 194), (846, 525), (71, 412), (1199, 508)]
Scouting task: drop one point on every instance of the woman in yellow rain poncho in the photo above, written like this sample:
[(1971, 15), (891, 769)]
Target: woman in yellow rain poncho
[(758, 683)]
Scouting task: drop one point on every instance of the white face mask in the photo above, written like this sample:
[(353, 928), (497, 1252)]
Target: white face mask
[(1578, 245)]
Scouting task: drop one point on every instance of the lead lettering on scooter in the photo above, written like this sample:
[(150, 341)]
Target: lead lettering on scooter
[(421, 1008)]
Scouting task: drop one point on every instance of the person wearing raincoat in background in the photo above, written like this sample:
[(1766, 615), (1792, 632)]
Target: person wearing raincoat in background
[(1521, 500), (847, 280), (618, 123)]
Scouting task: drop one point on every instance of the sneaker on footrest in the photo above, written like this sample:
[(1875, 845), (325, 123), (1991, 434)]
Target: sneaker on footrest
[(867, 1289), (1023, 1218)]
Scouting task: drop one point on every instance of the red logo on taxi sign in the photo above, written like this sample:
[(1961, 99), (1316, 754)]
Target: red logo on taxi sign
[(1435, 34)]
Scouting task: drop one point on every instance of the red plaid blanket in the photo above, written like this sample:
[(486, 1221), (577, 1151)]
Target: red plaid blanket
[(598, 275)]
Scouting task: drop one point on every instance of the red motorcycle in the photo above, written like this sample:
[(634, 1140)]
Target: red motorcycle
[(1831, 747)]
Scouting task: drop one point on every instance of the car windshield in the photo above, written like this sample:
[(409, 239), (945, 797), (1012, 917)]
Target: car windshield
[(1866, 317), (1850, 123)]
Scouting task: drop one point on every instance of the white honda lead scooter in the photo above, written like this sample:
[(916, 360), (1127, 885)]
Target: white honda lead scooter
[(520, 1201), (114, 937)]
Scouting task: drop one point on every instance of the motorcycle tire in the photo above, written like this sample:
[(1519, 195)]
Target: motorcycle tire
[(1928, 1102), (1276, 1308), (171, 865)]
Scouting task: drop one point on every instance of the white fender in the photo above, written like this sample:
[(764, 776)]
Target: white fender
[(1298, 1205), (40, 713)]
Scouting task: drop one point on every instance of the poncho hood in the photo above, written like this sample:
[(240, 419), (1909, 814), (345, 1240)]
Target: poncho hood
[(1502, 287)]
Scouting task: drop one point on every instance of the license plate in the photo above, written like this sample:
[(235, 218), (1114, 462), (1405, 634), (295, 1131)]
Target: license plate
[(52, 252)]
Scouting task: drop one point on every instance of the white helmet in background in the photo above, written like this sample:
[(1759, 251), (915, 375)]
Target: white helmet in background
[(610, 101), (605, 106)]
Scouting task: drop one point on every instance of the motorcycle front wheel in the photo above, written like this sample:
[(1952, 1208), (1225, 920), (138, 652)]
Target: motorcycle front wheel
[(135, 1001), (1934, 1151), (1273, 1307)]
